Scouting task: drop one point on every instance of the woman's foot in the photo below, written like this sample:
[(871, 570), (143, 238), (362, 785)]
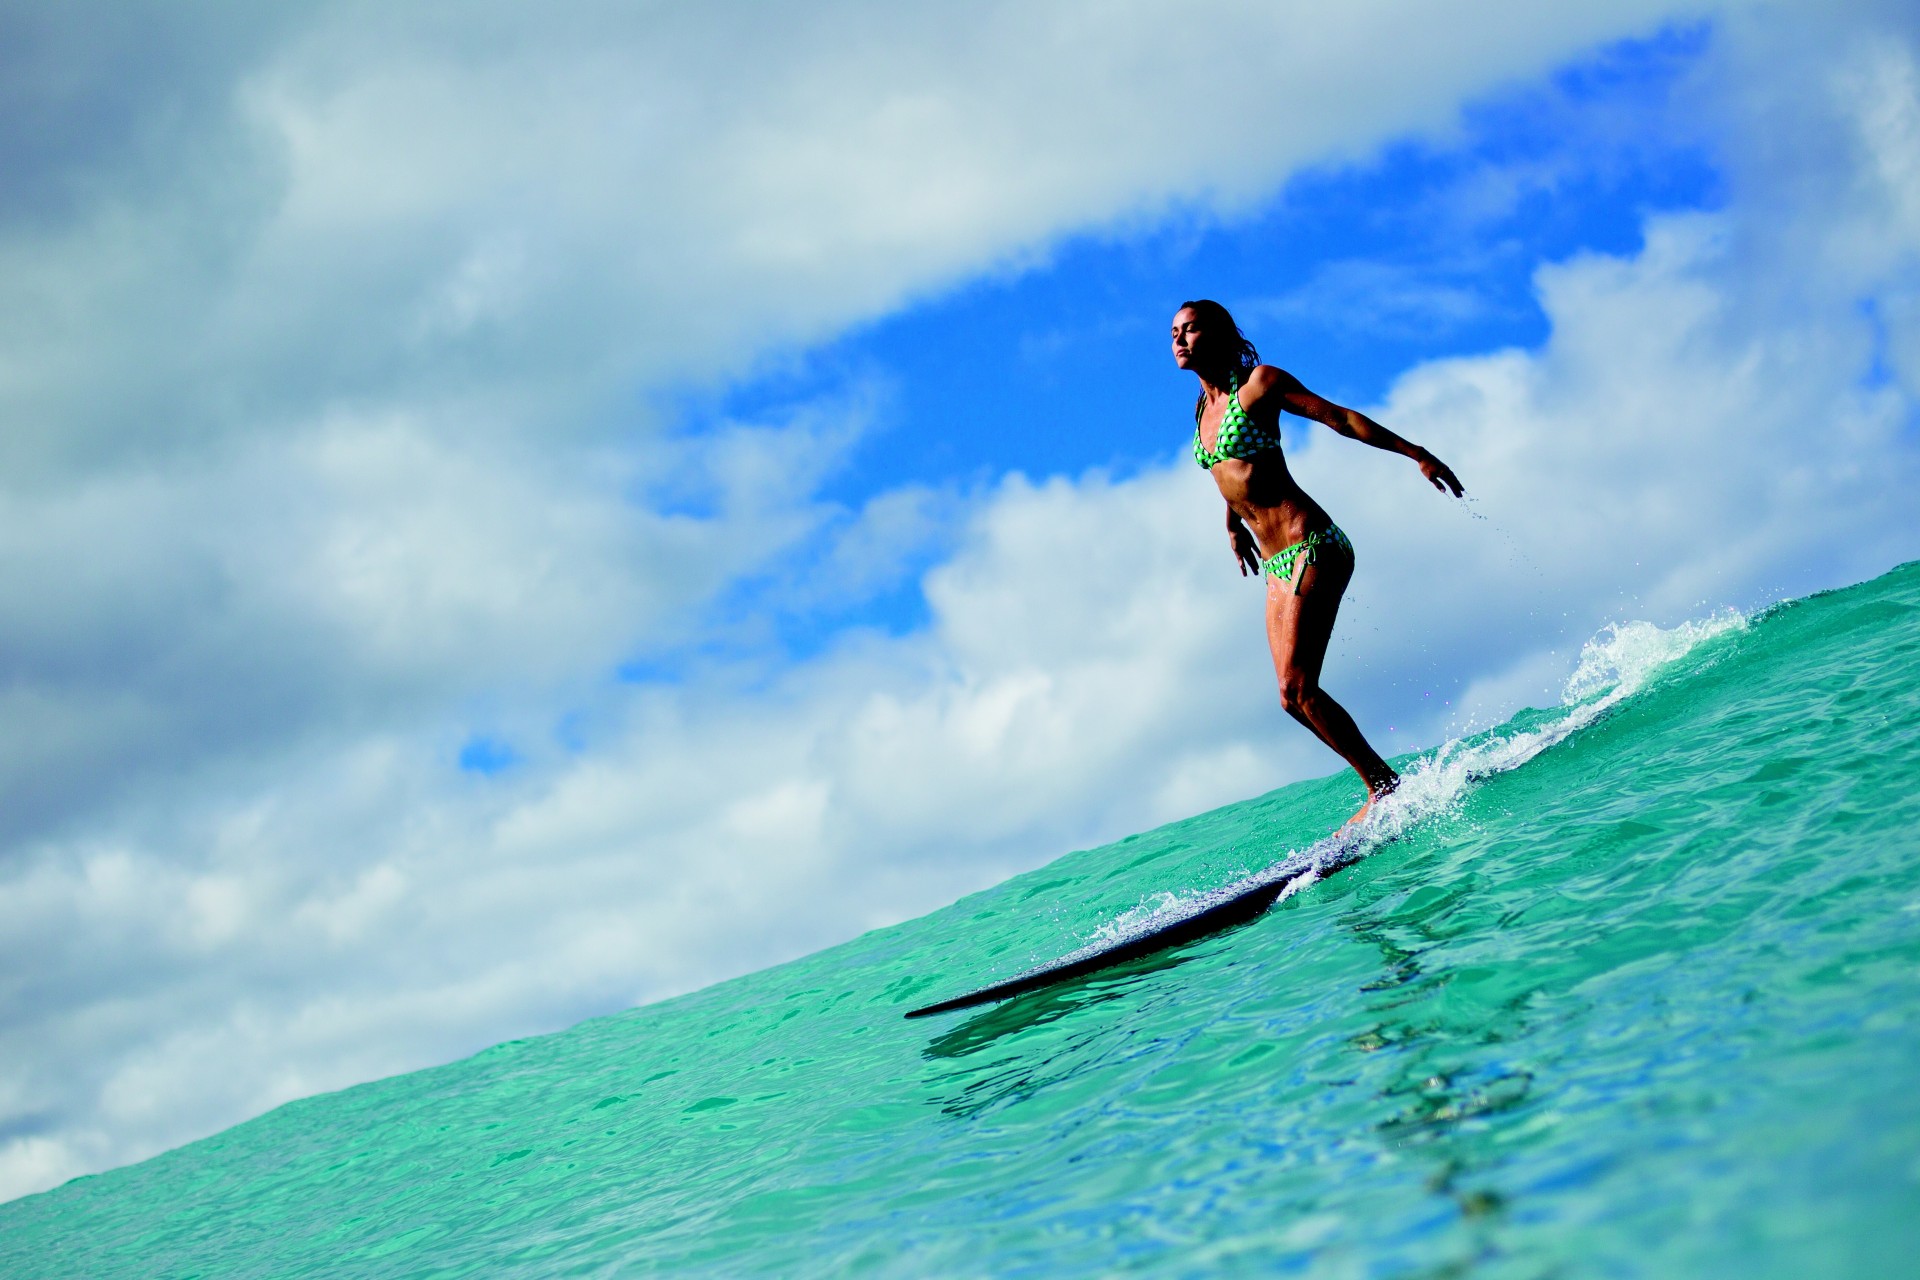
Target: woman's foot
[(1377, 789)]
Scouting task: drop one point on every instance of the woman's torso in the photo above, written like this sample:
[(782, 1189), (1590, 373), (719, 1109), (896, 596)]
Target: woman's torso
[(1240, 447)]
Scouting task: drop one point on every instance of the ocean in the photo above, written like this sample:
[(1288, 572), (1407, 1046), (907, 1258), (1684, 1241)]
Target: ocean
[(1626, 986)]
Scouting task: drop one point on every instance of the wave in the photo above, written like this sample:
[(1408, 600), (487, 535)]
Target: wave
[(1648, 1005), (1617, 663)]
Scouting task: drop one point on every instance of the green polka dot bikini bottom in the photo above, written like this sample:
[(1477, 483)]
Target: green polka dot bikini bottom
[(1280, 565)]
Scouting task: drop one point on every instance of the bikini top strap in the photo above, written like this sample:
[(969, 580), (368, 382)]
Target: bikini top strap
[(1233, 389)]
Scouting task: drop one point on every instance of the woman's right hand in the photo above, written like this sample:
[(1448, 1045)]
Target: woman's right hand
[(1246, 552), (1438, 473)]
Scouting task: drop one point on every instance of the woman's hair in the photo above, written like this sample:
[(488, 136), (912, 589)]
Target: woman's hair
[(1216, 319)]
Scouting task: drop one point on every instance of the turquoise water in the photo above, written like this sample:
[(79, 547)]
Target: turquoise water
[(1634, 989)]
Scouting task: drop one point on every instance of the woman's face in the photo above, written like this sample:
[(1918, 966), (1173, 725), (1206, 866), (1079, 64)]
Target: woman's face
[(1187, 338)]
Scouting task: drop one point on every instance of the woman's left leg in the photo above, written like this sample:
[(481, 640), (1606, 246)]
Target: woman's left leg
[(1299, 627)]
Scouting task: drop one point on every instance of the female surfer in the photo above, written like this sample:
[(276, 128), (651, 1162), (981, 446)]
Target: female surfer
[(1276, 530)]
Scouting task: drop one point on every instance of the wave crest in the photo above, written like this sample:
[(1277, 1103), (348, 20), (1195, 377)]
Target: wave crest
[(1617, 663)]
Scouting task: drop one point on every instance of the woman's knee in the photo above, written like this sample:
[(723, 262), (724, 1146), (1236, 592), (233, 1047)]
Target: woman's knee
[(1296, 692)]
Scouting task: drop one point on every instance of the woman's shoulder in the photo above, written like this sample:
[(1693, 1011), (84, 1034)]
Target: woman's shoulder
[(1265, 378), (1268, 375)]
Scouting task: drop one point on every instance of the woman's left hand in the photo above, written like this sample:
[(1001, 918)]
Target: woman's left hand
[(1245, 549), (1438, 473)]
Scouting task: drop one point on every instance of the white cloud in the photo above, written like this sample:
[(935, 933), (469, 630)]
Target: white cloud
[(1360, 297), (531, 216), (324, 462)]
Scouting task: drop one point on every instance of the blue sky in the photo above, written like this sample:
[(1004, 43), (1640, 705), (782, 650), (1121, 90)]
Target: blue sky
[(508, 515), (1348, 274)]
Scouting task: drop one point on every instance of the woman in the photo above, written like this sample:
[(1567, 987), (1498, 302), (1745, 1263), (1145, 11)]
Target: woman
[(1276, 529)]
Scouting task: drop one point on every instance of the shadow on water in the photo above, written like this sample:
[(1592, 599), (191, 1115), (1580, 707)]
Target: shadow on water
[(1048, 1004), (975, 1080), (1444, 1089)]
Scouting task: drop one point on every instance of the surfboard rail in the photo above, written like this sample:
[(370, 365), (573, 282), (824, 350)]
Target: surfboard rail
[(1208, 914)]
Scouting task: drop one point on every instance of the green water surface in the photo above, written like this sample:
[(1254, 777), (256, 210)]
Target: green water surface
[(1648, 1004)]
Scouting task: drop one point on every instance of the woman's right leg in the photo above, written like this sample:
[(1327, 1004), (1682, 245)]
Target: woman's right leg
[(1299, 628)]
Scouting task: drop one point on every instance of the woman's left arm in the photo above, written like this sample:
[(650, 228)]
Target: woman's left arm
[(1288, 393)]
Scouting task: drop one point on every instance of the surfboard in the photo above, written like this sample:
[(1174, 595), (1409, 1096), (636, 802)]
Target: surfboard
[(1200, 917)]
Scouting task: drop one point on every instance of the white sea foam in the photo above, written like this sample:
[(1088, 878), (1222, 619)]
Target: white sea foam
[(1615, 665), (1625, 655)]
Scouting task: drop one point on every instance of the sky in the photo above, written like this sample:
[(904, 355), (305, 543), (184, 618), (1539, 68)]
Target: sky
[(506, 515)]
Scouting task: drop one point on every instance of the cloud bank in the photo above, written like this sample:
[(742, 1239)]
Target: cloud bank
[(325, 349)]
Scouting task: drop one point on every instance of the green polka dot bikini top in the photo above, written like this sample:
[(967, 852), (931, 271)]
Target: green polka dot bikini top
[(1240, 436)]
